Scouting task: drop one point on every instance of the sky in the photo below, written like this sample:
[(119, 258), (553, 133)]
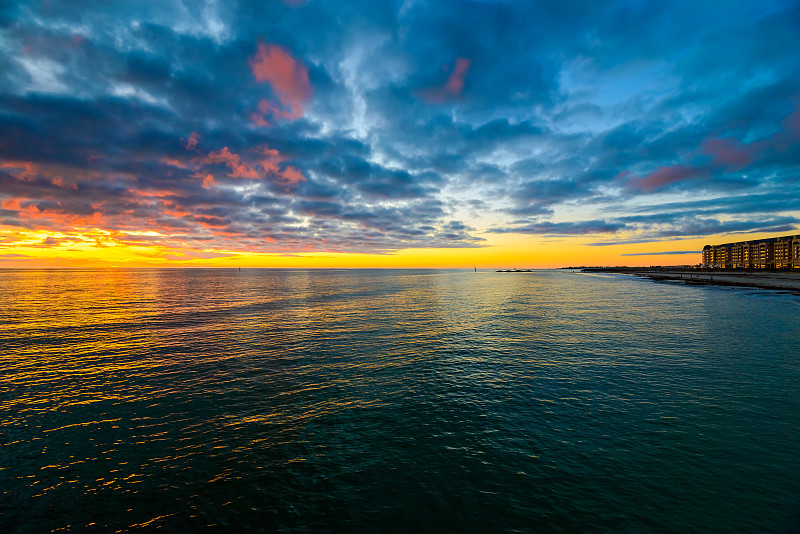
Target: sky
[(331, 133)]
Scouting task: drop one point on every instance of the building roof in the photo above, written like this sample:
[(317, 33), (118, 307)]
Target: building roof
[(757, 241)]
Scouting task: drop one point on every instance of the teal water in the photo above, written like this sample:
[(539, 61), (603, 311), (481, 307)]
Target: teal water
[(399, 401)]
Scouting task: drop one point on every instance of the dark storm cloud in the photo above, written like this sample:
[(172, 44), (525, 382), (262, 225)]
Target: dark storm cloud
[(364, 126)]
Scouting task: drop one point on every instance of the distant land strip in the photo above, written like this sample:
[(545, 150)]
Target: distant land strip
[(777, 280)]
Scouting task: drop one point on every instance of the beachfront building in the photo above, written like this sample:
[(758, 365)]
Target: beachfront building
[(772, 253), (783, 253)]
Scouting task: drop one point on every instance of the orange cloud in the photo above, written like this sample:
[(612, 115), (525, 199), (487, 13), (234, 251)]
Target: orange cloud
[(288, 78), (11, 204), (268, 163), (208, 182), (454, 85), (173, 162), (160, 193), (25, 170), (171, 210), (48, 219), (238, 169)]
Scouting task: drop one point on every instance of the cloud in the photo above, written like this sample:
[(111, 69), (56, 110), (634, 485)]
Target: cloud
[(260, 162), (671, 227), (728, 153), (791, 124), (191, 143), (454, 85), (562, 228), (665, 253), (288, 78), (232, 161), (665, 176)]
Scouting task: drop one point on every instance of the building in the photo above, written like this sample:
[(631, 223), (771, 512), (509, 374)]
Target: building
[(771, 253), (782, 253), (795, 252)]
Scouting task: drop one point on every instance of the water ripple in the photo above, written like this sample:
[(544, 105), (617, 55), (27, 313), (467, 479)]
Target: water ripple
[(420, 400)]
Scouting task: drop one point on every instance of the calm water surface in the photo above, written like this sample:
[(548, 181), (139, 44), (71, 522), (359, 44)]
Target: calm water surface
[(401, 401)]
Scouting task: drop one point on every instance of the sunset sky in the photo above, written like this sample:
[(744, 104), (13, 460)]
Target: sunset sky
[(329, 133)]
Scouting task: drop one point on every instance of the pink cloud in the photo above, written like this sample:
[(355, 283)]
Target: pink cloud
[(622, 176), (271, 164), (728, 152), (270, 159), (292, 175), (791, 124), (191, 144), (288, 78), (664, 176), (274, 111), (208, 182), (454, 85)]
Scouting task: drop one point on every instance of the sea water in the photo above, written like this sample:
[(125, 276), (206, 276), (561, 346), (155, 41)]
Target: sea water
[(395, 400)]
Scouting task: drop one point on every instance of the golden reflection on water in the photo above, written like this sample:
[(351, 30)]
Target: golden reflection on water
[(84, 330)]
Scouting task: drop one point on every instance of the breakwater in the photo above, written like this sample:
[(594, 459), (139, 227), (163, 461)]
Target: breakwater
[(775, 280)]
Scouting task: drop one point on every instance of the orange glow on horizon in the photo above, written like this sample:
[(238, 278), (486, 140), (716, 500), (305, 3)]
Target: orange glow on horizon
[(102, 248)]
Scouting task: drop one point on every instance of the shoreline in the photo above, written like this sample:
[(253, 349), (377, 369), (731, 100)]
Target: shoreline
[(773, 280)]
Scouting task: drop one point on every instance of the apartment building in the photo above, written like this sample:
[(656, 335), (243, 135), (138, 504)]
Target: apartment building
[(772, 253)]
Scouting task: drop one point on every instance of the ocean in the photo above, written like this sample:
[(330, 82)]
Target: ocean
[(395, 401)]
